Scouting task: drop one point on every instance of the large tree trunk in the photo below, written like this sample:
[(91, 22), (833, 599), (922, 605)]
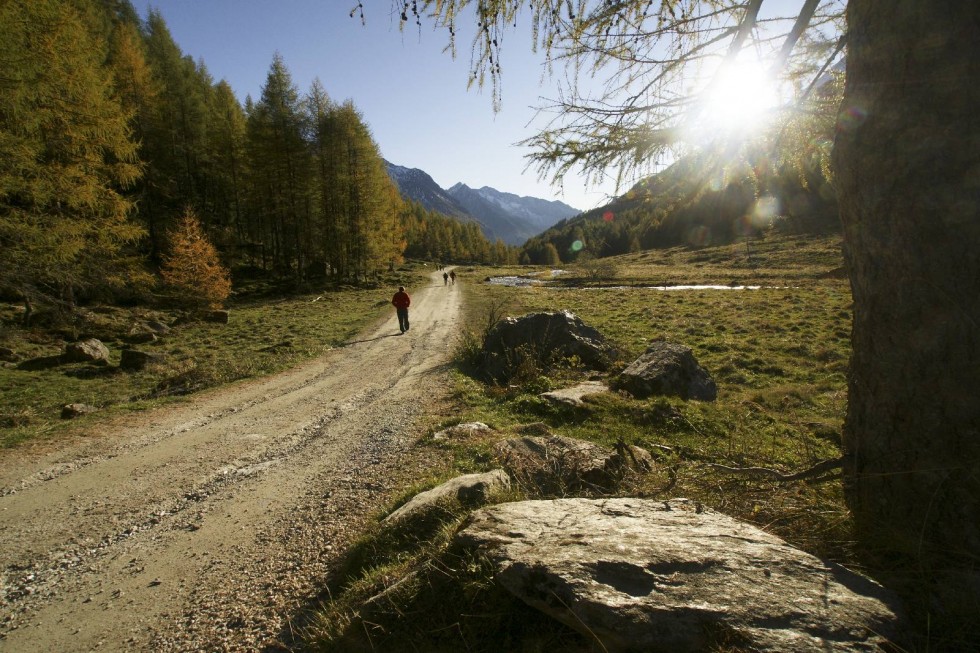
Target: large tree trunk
[(907, 161)]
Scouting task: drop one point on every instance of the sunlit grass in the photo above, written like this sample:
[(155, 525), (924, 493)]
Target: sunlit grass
[(779, 356)]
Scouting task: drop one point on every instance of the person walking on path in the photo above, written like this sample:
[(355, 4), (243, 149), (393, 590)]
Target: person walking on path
[(452, 275), (401, 302), (445, 278)]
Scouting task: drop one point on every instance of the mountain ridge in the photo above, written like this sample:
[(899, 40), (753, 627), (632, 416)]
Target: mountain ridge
[(501, 215)]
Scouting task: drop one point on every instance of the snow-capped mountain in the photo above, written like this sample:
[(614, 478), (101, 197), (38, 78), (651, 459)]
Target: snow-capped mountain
[(506, 216), (514, 217)]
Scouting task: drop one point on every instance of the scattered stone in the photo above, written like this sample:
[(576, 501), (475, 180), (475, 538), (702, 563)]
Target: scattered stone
[(574, 396), (71, 411), (217, 316), (545, 336), (157, 327), (134, 360), (645, 575), (90, 350), (555, 464), (141, 338), (8, 355), (470, 489), (462, 431), (667, 369)]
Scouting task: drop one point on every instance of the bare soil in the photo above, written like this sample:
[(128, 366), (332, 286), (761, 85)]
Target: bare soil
[(214, 524)]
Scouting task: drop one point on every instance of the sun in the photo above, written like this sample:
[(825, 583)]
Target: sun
[(736, 103)]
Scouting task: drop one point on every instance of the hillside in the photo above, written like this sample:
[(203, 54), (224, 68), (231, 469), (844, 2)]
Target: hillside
[(700, 201)]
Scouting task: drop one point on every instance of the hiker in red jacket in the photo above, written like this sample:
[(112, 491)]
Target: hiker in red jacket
[(401, 302)]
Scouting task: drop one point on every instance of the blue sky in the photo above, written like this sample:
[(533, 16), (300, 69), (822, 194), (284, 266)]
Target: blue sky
[(412, 94)]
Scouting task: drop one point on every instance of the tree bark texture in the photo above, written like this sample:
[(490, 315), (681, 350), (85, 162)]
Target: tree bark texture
[(907, 164)]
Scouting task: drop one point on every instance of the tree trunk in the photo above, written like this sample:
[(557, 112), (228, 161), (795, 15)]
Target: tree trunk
[(907, 163)]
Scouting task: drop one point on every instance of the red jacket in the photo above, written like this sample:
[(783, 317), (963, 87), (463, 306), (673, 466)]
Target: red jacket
[(401, 299)]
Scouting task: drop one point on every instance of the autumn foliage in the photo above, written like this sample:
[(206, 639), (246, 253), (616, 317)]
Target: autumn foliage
[(191, 268)]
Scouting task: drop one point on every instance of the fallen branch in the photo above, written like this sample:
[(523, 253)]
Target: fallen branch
[(817, 470)]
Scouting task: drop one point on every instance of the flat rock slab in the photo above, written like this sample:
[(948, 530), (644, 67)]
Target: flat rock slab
[(574, 396), (645, 575)]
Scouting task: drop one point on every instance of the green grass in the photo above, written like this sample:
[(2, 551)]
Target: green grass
[(265, 334), (779, 356)]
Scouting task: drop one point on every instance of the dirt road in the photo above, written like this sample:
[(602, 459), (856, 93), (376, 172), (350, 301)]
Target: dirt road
[(211, 525)]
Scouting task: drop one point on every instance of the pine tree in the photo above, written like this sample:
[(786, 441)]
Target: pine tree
[(191, 268)]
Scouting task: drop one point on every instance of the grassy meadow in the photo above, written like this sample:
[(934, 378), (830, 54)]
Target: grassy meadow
[(267, 332), (779, 355)]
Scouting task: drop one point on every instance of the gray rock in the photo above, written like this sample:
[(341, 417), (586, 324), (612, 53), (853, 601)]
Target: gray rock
[(462, 431), (666, 369), (134, 360), (546, 337), (556, 464), (90, 350), (574, 396), (645, 575), (470, 489), (71, 411)]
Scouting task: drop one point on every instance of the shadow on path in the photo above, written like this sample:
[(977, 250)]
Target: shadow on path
[(355, 342)]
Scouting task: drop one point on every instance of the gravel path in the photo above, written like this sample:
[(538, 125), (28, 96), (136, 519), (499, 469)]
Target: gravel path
[(212, 525)]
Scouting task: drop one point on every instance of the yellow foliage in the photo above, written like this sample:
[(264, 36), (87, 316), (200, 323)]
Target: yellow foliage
[(192, 267)]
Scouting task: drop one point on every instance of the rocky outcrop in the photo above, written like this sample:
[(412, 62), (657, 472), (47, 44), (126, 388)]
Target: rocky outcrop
[(544, 337), (470, 489), (666, 369), (672, 576), (555, 464)]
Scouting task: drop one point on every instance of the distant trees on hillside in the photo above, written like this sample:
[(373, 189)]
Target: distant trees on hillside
[(108, 132)]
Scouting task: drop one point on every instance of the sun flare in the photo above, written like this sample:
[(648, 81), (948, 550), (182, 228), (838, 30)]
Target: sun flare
[(737, 102)]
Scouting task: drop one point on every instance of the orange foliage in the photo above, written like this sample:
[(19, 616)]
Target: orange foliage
[(192, 267)]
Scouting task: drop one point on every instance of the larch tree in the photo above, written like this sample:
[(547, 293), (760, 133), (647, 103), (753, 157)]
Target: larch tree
[(906, 161), (357, 195), (66, 157), (280, 166), (191, 267)]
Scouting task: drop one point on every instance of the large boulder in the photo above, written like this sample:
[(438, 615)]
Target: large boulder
[(545, 337), (666, 369), (556, 464), (672, 576)]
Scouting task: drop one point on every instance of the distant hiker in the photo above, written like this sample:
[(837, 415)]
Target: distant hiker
[(452, 275), (445, 278), (401, 302)]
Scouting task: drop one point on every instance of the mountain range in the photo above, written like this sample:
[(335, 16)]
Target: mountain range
[(504, 216)]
